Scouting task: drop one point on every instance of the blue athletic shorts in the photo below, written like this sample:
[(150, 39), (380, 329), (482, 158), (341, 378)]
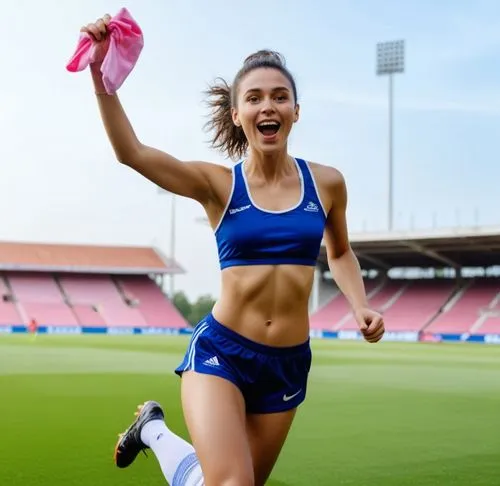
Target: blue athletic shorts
[(271, 379)]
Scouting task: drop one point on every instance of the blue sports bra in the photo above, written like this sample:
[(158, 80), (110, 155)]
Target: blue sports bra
[(250, 235)]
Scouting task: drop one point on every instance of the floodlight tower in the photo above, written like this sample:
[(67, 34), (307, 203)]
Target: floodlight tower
[(390, 61), (171, 255)]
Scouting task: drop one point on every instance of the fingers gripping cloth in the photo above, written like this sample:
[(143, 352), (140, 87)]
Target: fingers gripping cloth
[(125, 45)]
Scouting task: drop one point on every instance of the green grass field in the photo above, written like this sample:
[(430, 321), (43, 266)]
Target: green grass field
[(377, 415)]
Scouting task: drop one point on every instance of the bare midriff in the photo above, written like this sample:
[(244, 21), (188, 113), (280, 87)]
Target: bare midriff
[(266, 303)]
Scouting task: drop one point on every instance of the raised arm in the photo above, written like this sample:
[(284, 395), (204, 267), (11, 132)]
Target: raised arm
[(189, 179)]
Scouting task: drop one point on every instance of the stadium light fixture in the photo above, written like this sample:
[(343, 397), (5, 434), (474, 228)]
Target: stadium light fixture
[(390, 61), (171, 255)]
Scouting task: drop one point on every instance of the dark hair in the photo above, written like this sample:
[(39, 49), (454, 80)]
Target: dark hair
[(228, 137)]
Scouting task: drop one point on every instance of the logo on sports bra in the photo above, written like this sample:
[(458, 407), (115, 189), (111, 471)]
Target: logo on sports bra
[(311, 207), (238, 210)]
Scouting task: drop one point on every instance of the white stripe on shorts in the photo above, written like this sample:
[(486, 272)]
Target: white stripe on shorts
[(192, 347)]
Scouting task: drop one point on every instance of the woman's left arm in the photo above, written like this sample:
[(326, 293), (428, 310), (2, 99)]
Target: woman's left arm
[(343, 263)]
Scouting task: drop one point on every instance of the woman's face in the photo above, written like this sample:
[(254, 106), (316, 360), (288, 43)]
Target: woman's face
[(266, 109)]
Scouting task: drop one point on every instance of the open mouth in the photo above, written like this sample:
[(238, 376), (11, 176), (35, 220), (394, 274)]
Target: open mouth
[(268, 128)]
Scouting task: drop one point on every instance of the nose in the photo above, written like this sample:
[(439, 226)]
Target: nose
[(267, 106)]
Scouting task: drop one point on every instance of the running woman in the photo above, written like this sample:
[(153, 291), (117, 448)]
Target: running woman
[(246, 367)]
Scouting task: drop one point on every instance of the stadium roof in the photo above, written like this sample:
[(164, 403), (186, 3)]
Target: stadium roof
[(84, 258), (456, 248)]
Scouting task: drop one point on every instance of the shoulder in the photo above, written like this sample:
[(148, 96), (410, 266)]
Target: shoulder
[(219, 177), (329, 179), (211, 168), (215, 174)]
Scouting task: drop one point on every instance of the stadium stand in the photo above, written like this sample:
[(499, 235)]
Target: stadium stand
[(434, 285), (8, 310), (336, 310), (465, 310), (100, 294), (85, 286), (149, 300), (435, 282), (38, 298)]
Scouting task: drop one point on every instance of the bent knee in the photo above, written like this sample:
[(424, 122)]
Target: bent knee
[(232, 481), (232, 478), (237, 481)]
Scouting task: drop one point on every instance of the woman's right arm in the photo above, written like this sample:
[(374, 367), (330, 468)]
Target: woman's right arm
[(189, 179)]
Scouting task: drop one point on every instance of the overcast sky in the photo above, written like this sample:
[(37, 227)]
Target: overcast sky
[(59, 181)]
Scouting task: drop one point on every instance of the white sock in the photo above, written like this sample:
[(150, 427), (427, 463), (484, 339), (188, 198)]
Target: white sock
[(177, 457)]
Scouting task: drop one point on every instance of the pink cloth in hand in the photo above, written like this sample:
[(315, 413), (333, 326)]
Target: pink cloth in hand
[(125, 45)]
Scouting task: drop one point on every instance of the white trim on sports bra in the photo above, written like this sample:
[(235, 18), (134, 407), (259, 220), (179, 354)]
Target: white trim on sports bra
[(302, 191), (229, 199), (318, 195)]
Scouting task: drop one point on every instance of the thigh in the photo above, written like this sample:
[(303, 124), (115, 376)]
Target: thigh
[(267, 433), (214, 411)]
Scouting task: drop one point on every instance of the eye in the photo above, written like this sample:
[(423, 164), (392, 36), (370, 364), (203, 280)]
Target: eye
[(253, 99), (282, 97)]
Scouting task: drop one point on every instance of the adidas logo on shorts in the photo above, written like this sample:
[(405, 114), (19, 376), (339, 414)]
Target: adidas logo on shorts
[(214, 361)]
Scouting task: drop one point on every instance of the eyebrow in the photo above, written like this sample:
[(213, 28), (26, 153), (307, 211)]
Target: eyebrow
[(257, 90)]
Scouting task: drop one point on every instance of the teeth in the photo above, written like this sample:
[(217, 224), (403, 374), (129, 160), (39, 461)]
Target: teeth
[(272, 124)]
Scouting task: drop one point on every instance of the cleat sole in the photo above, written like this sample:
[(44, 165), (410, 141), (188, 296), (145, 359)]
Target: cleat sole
[(123, 437)]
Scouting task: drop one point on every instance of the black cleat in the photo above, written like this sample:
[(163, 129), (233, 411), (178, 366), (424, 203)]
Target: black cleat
[(129, 443)]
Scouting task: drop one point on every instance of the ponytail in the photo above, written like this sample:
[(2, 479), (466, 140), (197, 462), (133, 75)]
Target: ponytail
[(227, 137)]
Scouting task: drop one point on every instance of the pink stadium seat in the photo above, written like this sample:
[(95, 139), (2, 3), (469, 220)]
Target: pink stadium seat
[(136, 301), (81, 299), (418, 304), (35, 287), (377, 302), (329, 316), (87, 316), (3, 287), (49, 314), (8, 311), (490, 326), (466, 310), (39, 297), (109, 296), (118, 314), (8, 314), (156, 309), (100, 292), (410, 311), (89, 289)]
